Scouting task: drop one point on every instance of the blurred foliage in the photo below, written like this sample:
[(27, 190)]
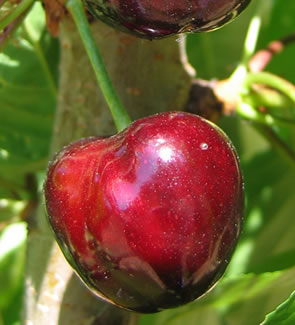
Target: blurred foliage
[(261, 273), (261, 276), (28, 74), (28, 79)]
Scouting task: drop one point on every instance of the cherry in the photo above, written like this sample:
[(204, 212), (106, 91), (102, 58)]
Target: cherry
[(149, 217), (160, 18)]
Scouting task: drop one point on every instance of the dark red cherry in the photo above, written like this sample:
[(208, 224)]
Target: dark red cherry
[(160, 18), (149, 217)]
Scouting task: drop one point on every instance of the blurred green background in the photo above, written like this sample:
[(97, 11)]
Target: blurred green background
[(261, 275)]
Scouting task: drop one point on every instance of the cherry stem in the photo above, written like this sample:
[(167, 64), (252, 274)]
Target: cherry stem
[(250, 43), (269, 98), (15, 13), (120, 116), (271, 80), (251, 39), (249, 112), (247, 107)]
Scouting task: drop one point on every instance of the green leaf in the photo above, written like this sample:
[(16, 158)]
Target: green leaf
[(35, 22), (268, 230), (28, 74), (202, 315), (276, 262), (210, 309), (12, 313), (284, 314)]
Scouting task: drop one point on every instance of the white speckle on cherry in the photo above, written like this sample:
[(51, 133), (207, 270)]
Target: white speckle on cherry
[(204, 146)]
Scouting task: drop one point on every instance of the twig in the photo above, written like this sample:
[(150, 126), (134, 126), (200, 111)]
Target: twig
[(13, 15), (263, 57), (286, 152), (184, 58)]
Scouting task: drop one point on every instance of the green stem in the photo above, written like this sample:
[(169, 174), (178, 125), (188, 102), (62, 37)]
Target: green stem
[(269, 98), (119, 113), (21, 8), (251, 39), (271, 80), (250, 43), (239, 74), (249, 112)]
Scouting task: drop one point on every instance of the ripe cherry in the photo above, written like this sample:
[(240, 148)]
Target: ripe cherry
[(160, 18), (149, 217)]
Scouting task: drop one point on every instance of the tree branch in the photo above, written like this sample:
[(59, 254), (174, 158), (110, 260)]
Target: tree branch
[(263, 57)]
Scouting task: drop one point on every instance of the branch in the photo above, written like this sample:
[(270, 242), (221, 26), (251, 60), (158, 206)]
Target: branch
[(263, 57), (277, 143)]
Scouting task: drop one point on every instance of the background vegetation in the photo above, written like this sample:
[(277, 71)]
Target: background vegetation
[(257, 287)]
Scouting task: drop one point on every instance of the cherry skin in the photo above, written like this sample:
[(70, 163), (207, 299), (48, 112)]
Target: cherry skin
[(161, 18), (148, 218)]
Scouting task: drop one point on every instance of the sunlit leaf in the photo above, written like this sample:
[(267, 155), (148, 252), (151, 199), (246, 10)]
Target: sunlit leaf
[(12, 259), (28, 74), (284, 314)]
